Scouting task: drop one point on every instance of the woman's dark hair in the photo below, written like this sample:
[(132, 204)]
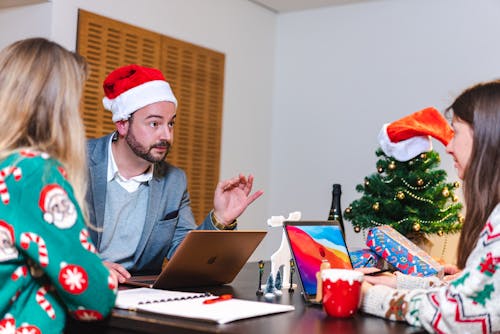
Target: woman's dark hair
[(479, 106)]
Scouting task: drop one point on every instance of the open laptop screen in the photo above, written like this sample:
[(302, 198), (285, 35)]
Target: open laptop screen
[(205, 258), (312, 243)]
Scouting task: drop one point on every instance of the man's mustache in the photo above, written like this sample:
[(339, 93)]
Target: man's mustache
[(162, 144)]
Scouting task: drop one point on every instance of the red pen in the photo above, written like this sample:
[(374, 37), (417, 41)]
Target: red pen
[(221, 298)]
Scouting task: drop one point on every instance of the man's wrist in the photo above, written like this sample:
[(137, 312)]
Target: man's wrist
[(220, 225)]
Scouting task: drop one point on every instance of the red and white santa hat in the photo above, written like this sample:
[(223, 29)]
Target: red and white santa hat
[(132, 87), (409, 136)]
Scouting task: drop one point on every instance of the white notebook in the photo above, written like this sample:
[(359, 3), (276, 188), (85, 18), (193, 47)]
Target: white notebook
[(190, 305)]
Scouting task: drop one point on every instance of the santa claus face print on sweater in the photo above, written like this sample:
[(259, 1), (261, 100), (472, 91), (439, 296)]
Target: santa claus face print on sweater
[(7, 249), (57, 207)]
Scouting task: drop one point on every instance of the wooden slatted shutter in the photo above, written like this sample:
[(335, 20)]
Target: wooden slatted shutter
[(197, 78), (196, 75), (108, 44)]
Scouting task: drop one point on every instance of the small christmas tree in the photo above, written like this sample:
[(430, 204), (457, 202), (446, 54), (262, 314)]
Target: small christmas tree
[(269, 291), (278, 283), (410, 196), (408, 191)]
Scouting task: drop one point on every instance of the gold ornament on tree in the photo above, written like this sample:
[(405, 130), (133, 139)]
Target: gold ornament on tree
[(445, 192), (416, 227), (420, 182), (380, 170), (400, 195), (348, 210), (392, 165), (357, 229), (376, 206)]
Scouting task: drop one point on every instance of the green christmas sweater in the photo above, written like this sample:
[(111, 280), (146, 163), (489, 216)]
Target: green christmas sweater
[(468, 304), (48, 265)]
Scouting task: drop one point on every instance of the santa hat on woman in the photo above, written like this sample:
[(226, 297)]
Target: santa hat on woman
[(133, 87), (409, 136)]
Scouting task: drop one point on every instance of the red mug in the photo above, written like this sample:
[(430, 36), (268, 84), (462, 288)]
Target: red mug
[(341, 291)]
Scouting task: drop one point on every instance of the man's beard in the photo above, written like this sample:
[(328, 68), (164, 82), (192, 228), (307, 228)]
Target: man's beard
[(143, 152)]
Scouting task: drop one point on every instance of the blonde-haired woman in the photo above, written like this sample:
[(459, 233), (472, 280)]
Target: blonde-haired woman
[(48, 265)]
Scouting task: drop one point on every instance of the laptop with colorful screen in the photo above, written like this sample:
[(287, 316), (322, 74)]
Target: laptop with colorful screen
[(311, 244)]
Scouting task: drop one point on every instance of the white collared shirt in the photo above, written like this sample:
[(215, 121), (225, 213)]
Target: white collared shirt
[(131, 184)]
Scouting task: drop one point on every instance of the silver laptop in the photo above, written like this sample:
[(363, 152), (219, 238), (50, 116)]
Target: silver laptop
[(205, 258)]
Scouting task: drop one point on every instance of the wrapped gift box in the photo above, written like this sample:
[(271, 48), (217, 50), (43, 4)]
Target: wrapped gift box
[(365, 258), (403, 254)]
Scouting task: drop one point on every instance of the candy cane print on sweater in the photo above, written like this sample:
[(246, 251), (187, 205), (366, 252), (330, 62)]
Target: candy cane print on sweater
[(112, 282), (20, 271), (84, 241), (27, 238), (63, 172), (4, 173), (44, 303)]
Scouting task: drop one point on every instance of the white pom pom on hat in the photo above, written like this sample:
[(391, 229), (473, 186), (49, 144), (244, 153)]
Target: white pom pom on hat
[(133, 87), (409, 136)]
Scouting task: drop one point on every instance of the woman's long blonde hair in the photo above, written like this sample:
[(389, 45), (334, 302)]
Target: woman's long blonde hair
[(40, 90)]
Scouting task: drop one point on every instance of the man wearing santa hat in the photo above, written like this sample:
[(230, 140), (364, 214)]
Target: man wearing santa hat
[(137, 201)]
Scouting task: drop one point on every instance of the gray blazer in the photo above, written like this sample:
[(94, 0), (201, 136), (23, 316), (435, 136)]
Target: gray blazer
[(168, 218)]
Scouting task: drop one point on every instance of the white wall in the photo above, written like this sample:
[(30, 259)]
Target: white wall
[(23, 22), (342, 72), (307, 92)]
